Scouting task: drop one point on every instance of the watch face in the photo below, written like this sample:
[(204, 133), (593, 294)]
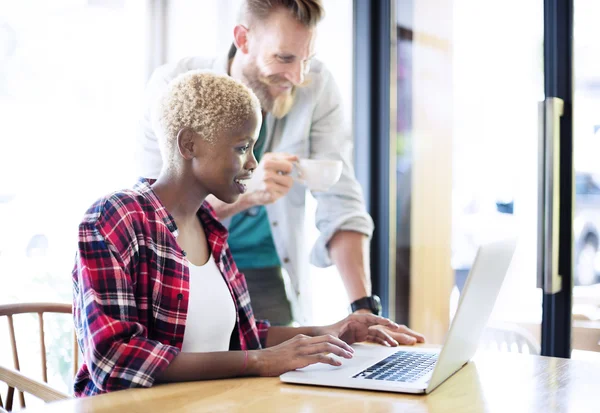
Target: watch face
[(376, 305)]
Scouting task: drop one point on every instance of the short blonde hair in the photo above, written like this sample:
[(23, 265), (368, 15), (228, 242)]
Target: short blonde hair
[(209, 103), (307, 12)]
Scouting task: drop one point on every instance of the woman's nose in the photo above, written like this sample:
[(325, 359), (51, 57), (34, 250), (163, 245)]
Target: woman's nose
[(251, 162)]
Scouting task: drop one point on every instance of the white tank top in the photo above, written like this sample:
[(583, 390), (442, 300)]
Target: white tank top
[(211, 311)]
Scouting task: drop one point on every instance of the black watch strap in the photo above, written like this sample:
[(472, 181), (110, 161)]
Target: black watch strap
[(371, 303)]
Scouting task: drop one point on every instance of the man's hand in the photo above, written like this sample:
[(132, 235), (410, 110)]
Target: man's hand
[(271, 180), (359, 327), (401, 335)]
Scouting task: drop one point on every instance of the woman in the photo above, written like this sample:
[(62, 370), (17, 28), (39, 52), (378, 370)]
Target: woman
[(157, 296)]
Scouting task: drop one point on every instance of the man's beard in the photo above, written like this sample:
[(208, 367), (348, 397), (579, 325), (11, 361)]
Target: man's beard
[(278, 106)]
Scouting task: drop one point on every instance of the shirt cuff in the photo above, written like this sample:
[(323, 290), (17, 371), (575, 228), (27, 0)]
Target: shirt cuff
[(146, 361), (319, 255), (262, 326)]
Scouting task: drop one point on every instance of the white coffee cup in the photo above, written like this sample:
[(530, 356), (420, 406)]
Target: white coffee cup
[(318, 174)]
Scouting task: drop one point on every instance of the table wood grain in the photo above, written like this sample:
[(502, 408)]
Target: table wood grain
[(491, 382)]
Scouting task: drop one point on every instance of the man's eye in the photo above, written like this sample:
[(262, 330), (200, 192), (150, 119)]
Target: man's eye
[(285, 59), (244, 149)]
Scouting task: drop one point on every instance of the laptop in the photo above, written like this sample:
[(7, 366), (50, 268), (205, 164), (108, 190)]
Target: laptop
[(421, 370)]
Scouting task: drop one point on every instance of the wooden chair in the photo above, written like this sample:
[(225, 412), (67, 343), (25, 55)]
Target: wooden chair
[(13, 377), (509, 337)]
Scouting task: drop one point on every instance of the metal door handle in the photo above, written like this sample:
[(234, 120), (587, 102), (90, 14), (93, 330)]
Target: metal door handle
[(549, 113)]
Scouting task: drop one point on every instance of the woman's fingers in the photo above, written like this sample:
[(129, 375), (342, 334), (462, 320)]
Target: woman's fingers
[(333, 340), (326, 348), (322, 358), (321, 348)]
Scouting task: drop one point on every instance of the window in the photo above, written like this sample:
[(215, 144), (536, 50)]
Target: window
[(72, 76)]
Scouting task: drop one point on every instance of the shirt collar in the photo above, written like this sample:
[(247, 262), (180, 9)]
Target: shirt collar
[(206, 214)]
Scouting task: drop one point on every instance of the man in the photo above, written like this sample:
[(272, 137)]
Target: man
[(273, 55)]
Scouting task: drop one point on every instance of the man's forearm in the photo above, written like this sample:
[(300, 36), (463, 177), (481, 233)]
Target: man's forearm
[(349, 251)]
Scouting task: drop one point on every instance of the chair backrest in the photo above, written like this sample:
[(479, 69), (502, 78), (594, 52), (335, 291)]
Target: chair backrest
[(509, 337), (14, 378)]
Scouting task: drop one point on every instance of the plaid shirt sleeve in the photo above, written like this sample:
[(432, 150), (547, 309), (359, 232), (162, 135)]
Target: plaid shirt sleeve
[(115, 344), (263, 330)]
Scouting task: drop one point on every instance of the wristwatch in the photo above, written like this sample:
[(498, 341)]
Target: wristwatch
[(372, 303)]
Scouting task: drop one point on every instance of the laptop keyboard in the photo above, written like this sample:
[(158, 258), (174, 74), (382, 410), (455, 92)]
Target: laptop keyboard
[(404, 366)]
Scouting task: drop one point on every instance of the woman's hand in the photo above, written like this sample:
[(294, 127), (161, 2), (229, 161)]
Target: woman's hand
[(368, 327), (299, 352)]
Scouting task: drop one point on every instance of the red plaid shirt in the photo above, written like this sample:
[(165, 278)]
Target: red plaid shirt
[(131, 290)]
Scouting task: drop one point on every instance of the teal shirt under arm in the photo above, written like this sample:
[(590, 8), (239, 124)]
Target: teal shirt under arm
[(250, 239)]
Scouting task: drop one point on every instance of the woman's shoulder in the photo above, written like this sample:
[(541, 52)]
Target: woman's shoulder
[(116, 209), (118, 202)]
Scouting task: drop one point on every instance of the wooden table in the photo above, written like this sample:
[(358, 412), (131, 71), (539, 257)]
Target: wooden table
[(492, 382)]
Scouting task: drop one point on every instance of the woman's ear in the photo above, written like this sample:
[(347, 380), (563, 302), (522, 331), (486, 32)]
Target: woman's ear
[(186, 143)]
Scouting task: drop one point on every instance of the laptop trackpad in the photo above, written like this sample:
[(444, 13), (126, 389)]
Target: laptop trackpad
[(364, 356)]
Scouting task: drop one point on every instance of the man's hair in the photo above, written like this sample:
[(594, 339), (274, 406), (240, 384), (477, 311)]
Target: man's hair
[(307, 12), (210, 104)]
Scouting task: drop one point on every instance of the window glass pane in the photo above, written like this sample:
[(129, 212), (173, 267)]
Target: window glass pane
[(334, 47), (586, 215), (200, 28), (72, 75), (467, 135)]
